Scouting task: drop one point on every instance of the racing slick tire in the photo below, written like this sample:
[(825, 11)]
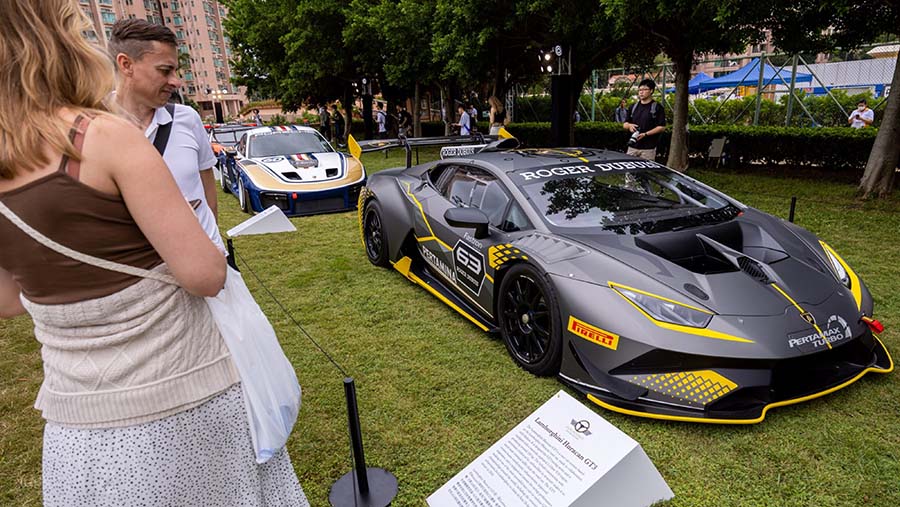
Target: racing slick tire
[(222, 171), (373, 235), (243, 196), (529, 320)]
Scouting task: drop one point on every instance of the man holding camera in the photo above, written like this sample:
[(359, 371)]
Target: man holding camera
[(646, 120)]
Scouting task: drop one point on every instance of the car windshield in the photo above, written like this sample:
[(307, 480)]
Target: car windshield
[(624, 197), (228, 137), (287, 143)]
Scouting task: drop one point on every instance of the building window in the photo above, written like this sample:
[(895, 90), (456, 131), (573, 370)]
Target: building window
[(108, 17)]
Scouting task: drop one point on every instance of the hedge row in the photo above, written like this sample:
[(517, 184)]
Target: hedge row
[(829, 148)]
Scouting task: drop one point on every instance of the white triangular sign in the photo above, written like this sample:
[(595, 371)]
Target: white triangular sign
[(269, 221), (562, 455)]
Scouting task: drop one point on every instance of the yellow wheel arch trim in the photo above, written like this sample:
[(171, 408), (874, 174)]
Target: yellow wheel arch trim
[(855, 286), (697, 331), (765, 409)]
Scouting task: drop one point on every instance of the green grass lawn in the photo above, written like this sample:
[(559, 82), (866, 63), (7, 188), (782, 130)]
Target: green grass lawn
[(435, 392)]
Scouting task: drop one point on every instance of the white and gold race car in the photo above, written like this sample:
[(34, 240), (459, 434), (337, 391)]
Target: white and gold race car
[(295, 169)]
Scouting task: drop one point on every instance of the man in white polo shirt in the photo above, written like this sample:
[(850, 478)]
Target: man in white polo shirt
[(146, 60)]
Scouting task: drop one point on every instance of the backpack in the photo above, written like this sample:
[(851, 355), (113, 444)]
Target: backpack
[(652, 109)]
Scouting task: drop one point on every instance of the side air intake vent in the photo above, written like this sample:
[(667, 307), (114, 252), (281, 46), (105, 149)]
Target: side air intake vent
[(752, 269)]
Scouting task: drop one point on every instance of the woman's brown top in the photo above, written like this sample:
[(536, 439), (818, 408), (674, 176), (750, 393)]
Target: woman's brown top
[(79, 217)]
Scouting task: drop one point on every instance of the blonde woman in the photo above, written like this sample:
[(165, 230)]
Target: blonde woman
[(140, 396), (498, 117)]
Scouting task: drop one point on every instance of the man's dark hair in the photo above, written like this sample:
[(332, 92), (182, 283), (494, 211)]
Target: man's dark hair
[(134, 37), (862, 101), (256, 111), (649, 83)]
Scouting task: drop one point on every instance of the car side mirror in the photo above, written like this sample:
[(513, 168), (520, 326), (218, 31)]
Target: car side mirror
[(472, 218)]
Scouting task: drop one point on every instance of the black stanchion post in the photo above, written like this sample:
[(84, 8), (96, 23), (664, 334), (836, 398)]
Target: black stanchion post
[(372, 487), (231, 260), (793, 207)]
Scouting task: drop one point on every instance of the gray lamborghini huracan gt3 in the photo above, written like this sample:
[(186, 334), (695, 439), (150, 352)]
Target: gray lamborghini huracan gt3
[(648, 291)]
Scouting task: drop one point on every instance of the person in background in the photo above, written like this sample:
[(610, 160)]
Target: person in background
[(381, 121), (257, 118), (473, 117), (862, 116), (338, 123), (621, 112), (497, 115), (465, 123), (577, 116), (141, 399), (646, 119), (406, 121), (144, 54)]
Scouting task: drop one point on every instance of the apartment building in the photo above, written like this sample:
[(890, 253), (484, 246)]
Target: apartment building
[(203, 48)]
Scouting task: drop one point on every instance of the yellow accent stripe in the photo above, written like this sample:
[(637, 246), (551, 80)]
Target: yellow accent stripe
[(765, 409), (403, 266), (433, 237), (802, 311), (698, 331), (613, 285), (855, 286), (566, 153), (489, 278)]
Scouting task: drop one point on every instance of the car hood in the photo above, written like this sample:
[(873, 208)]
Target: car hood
[(305, 167), (729, 268)]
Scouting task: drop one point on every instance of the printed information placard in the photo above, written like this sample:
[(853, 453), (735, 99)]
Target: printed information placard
[(563, 454)]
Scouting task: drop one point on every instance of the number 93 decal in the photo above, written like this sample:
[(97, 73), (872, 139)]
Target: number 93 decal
[(468, 265)]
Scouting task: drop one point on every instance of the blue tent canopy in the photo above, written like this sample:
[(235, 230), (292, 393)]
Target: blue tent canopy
[(748, 75), (694, 83)]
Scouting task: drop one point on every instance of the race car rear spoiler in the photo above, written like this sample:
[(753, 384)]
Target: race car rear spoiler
[(454, 146)]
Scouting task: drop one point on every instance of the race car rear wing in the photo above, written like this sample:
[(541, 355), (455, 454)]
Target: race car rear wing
[(454, 146)]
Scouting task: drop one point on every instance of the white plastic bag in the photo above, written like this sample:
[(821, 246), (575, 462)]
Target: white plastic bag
[(269, 383)]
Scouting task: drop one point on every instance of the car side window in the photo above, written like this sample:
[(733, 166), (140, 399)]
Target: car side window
[(438, 174), (242, 145), (515, 220), (460, 186), (471, 187)]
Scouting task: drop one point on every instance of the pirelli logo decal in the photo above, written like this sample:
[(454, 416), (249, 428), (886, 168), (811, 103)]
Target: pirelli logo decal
[(593, 334)]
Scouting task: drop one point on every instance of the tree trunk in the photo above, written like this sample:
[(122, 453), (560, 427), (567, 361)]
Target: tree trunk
[(678, 145), (449, 109), (878, 180), (417, 120), (368, 121)]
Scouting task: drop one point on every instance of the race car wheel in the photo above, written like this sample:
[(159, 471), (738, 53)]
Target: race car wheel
[(529, 322), (243, 196), (373, 233), (222, 173)]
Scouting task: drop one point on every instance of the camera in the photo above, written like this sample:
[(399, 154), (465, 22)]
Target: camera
[(634, 138)]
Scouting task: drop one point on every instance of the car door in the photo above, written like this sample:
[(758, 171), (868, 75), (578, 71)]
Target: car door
[(464, 260)]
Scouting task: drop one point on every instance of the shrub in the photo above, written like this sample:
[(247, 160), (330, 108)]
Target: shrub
[(838, 148)]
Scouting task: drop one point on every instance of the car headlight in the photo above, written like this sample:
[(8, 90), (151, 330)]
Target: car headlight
[(666, 310), (839, 270)]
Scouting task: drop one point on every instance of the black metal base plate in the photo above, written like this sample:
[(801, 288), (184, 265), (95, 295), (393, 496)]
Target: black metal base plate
[(382, 490)]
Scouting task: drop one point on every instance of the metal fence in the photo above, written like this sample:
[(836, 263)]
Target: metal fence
[(757, 89)]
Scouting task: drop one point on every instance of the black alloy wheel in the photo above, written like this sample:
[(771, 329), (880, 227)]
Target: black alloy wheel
[(373, 234), (529, 322)]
